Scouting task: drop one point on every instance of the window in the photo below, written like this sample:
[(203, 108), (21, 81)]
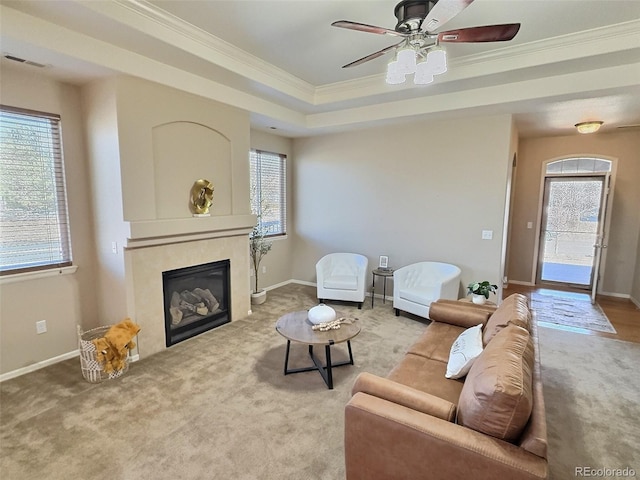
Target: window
[(34, 227), (578, 165), (268, 173)]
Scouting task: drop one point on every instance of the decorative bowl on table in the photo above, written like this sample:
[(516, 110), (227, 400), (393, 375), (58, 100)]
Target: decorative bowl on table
[(321, 314)]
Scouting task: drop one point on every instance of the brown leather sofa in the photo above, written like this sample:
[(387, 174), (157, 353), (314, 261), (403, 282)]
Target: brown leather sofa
[(417, 424)]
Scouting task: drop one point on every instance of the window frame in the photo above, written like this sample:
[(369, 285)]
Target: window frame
[(56, 227), (261, 155)]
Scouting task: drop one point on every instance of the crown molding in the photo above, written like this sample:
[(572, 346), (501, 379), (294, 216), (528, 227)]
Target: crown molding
[(151, 20), (606, 79)]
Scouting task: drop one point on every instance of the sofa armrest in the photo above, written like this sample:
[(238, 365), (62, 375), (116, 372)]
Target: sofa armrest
[(462, 314), (404, 395), (387, 440)]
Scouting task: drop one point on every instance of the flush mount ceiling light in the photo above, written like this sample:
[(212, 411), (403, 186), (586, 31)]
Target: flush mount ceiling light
[(418, 52), (588, 127)]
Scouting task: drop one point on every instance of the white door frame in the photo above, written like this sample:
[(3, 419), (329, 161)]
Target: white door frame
[(607, 224)]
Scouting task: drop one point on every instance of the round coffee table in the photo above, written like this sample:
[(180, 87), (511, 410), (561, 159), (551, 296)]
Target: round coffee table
[(296, 327)]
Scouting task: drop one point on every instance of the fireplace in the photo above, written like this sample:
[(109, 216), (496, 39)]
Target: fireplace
[(196, 299)]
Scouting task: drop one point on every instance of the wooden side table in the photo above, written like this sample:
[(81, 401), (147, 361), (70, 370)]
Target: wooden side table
[(384, 274)]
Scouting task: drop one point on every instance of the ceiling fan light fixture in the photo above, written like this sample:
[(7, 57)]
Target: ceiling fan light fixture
[(394, 76), (437, 61), (588, 127), (406, 60), (423, 73), (396, 79)]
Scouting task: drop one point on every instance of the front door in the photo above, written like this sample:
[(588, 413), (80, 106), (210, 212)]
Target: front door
[(572, 229)]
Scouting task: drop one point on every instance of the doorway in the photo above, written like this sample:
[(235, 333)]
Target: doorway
[(571, 245)]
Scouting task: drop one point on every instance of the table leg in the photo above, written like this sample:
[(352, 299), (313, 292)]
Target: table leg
[(326, 371), (373, 289), (286, 357), (327, 351), (384, 291)]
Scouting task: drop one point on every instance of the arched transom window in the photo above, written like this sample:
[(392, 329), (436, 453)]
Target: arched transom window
[(578, 165)]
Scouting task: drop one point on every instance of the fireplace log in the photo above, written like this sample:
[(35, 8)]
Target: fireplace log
[(176, 315), (208, 298)]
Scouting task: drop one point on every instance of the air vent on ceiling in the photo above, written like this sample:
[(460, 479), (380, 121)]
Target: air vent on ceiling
[(22, 60)]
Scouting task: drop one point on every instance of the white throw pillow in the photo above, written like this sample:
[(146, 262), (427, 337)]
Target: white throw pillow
[(464, 351)]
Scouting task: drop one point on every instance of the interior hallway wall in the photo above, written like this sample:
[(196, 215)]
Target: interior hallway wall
[(622, 253)]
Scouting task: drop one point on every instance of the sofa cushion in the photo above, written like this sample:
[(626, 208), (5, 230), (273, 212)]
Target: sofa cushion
[(341, 282), (464, 351), (513, 309), (426, 375), (497, 396), (435, 342)]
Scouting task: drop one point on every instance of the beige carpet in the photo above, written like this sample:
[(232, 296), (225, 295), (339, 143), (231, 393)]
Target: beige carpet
[(570, 309), (219, 407)]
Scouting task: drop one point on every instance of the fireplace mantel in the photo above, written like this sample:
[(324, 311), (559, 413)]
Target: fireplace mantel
[(146, 233)]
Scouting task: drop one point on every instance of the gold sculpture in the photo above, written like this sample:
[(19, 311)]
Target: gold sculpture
[(201, 196)]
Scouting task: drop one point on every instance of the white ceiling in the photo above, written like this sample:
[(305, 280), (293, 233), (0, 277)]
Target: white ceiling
[(573, 60)]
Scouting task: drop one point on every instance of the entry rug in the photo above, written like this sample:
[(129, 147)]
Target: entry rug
[(570, 309)]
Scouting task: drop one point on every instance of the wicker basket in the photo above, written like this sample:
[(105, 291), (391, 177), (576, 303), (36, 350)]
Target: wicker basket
[(92, 370)]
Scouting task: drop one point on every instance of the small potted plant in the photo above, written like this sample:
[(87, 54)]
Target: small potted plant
[(258, 248), (480, 291)]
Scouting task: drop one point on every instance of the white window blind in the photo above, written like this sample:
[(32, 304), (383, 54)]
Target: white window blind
[(34, 227), (268, 173)]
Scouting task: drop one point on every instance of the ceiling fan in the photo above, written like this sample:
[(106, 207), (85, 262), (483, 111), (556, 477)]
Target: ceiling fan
[(419, 52)]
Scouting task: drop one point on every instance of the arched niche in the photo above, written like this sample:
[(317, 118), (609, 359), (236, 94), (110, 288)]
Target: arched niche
[(184, 152)]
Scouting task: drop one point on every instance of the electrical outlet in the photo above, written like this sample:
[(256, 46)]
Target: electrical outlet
[(41, 326), (487, 234)]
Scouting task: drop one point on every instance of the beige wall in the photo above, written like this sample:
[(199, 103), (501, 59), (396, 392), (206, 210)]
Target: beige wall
[(62, 300), (415, 192), (101, 119), (279, 260), (635, 291), (621, 260)]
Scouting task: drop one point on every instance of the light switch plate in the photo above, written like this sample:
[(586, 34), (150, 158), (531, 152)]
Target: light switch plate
[(487, 234)]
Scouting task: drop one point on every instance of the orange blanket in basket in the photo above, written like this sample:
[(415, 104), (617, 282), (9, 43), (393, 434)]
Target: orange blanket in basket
[(112, 349)]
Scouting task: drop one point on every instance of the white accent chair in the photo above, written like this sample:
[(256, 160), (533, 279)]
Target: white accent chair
[(341, 276), (417, 285)]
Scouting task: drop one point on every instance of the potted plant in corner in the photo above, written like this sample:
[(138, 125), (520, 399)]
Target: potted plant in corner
[(480, 291), (258, 248)]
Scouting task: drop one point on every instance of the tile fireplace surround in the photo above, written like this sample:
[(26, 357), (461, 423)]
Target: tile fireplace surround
[(143, 272)]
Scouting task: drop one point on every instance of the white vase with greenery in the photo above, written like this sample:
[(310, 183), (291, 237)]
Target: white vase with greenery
[(258, 248)]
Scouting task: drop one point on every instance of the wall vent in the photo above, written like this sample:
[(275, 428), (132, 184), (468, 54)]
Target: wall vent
[(22, 60)]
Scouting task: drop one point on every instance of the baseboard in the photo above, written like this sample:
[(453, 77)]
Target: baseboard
[(302, 282), (518, 282), (39, 365), (617, 295), (635, 301), (312, 284)]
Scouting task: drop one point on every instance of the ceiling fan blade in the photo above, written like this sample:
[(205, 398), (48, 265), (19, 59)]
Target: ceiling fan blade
[(442, 12), (363, 27), (488, 33), (377, 54)]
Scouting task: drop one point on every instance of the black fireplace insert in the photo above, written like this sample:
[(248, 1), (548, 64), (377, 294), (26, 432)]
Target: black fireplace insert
[(196, 299)]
